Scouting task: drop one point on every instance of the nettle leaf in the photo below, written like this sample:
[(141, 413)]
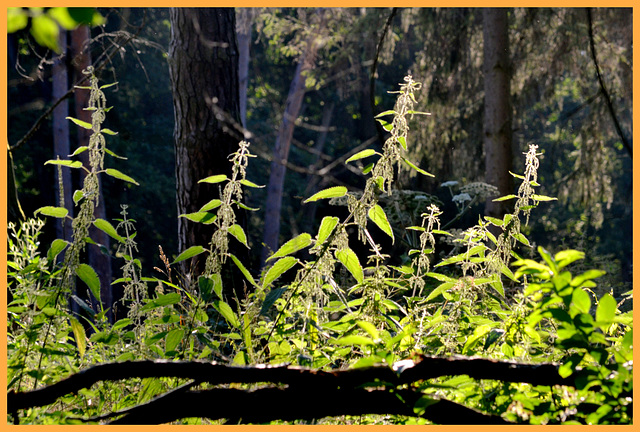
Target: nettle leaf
[(295, 244), (189, 253), (354, 340), (581, 300), (172, 339), (67, 163), (78, 151), (108, 131), (415, 167), (542, 198), (350, 260), (225, 310), (440, 290), (106, 227), (77, 196), (332, 192), (58, 212), (214, 179), (361, 155), (201, 217), (280, 267), (403, 142), (377, 215), (369, 328), (243, 269), (384, 113), (117, 174), (82, 124), (237, 231), (110, 153), (504, 198), (248, 183), (214, 203), (327, 226), (79, 335), (89, 276), (57, 246)]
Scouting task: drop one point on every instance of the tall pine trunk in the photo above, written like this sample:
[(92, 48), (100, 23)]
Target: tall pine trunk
[(61, 144), (497, 108), (275, 187), (243, 30), (203, 64), (99, 261)]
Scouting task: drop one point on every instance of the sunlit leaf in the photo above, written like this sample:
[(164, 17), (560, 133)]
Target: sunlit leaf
[(225, 310), (504, 198), (117, 174), (16, 19), (415, 167), (67, 163), (377, 215), (350, 260), (243, 269), (58, 212), (332, 192), (361, 155), (248, 183), (606, 310), (214, 179), (326, 228), (280, 266), (79, 335), (354, 340), (89, 276), (189, 253), (201, 217), (214, 203), (237, 231), (80, 123), (45, 31), (106, 227), (173, 338), (295, 244)]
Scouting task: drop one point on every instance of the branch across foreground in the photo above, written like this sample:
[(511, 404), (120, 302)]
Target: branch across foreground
[(300, 393)]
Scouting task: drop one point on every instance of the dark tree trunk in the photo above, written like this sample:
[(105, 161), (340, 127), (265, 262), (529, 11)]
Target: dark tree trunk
[(204, 75), (99, 261), (245, 21), (61, 144), (498, 113)]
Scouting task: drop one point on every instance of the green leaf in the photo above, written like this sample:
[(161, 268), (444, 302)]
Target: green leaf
[(189, 253), (225, 310), (79, 335), (332, 192), (217, 284), (77, 196), (57, 246), (504, 198), (369, 328), (17, 19), (586, 276), (117, 174), (201, 217), (350, 260), (248, 183), (78, 151), (361, 155), (67, 163), (167, 299), (403, 142), (237, 231), (89, 276), (280, 266), (354, 340), (415, 167), (172, 339), (441, 277), (109, 152), (440, 289), (606, 310), (243, 269), (205, 284), (82, 124), (58, 212), (295, 244), (581, 300), (108, 131), (326, 228), (377, 215), (106, 86), (45, 31), (121, 324), (214, 179), (494, 221), (105, 226), (242, 206), (521, 238), (270, 299), (384, 113), (542, 198), (566, 257)]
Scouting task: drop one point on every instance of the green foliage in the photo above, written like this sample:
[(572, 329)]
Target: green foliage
[(340, 309)]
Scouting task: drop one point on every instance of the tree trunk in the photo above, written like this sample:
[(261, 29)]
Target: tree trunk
[(99, 261), (243, 28), (498, 113), (293, 104), (61, 144), (204, 75)]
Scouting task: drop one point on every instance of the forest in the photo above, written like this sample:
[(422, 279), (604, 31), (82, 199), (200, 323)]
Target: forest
[(327, 216)]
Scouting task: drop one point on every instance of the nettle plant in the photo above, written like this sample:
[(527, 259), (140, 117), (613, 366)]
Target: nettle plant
[(339, 309)]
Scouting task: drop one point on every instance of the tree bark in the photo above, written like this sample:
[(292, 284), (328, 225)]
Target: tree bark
[(61, 141), (498, 113), (293, 105), (204, 75), (99, 261), (243, 28)]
